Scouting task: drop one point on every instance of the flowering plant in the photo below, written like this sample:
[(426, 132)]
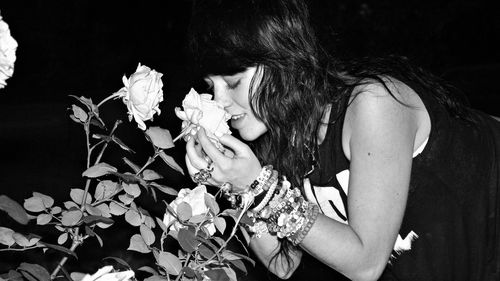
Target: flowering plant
[(8, 46), (193, 221)]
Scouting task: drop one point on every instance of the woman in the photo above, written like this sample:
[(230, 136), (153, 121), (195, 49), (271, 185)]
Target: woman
[(405, 178)]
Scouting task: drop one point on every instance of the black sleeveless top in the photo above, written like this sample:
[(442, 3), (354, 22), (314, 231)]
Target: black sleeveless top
[(451, 225)]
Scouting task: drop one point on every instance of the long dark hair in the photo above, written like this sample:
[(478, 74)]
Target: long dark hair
[(299, 78)]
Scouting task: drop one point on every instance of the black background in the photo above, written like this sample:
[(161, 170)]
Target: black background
[(85, 47)]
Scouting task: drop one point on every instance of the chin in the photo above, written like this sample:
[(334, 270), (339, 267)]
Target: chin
[(251, 135)]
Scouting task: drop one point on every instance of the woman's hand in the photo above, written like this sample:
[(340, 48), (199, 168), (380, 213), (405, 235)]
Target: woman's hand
[(238, 165)]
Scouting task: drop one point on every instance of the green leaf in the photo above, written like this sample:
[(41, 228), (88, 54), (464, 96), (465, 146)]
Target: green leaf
[(99, 170), (148, 269), (13, 209), (189, 272), (6, 236), (47, 200), (55, 210), (160, 137), (79, 113), (14, 276), (239, 265), (34, 204), (116, 209), (220, 224), (70, 218), (162, 225), (171, 162), (165, 189), (35, 270), (105, 189), (217, 274), (147, 234), (184, 211), (92, 210), (76, 195), (187, 240), (62, 238), (156, 278), (104, 209), (211, 203), (70, 205), (206, 251), (171, 263), (23, 241), (59, 248), (133, 217), (151, 175), (137, 244), (131, 164), (126, 199), (121, 143), (43, 219), (94, 219), (118, 260), (132, 189), (230, 273), (230, 255)]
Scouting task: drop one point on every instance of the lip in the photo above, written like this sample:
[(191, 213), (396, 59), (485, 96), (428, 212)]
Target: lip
[(236, 123)]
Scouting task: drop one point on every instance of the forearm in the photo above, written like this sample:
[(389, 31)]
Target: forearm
[(267, 246)]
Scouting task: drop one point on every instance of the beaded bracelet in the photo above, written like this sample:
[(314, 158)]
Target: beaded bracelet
[(257, 186), (312, 215), (269, 194)]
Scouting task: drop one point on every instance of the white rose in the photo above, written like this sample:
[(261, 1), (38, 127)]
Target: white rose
[(196, 199), (142, 94), (104, 274), (201, 110), (8, 46)]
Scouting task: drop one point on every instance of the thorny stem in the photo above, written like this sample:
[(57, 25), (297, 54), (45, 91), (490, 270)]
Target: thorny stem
[(113, 96), (76, 243), (98, 159)]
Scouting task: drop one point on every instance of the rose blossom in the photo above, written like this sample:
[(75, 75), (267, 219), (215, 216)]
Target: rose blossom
[(142, 94), (106, 274), (8, 46), (196, 199), (201, 110)]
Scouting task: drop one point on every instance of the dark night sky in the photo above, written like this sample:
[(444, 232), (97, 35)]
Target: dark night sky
[(85, 47)]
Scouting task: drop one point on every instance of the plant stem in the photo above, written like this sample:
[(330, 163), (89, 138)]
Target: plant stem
[(76, 243), (113, 96), (184, 131)]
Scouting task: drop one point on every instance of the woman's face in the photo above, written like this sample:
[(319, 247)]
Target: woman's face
[(233, 92)]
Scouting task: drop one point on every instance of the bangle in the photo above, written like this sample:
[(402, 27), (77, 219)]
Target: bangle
[(311, 215), (257, 186), (269, 194)]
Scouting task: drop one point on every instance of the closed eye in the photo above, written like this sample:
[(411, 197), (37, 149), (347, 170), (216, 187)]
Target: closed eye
[(233, 86)]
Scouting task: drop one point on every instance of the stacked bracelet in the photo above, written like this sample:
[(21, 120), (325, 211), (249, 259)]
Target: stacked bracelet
[(269, 193)]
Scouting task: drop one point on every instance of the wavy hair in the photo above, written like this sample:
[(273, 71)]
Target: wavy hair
[(299, 78)]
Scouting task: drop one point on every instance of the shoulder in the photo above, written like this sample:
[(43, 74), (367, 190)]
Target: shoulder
[(385, 109)]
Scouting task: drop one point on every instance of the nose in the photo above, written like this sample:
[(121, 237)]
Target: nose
[(221, 96)]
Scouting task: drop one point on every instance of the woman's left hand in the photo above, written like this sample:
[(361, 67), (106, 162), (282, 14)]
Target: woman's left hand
[(239, 166)]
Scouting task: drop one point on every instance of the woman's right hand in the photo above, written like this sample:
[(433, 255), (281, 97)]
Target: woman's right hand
[(239, 168)]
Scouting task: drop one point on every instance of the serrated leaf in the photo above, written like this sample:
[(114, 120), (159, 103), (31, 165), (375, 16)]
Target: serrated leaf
[(132, 189), (160, 137), (206, 251), (14, 276), (150, 175), (187, 240), (126, 199), (55, 210), (171, 162), (104, 209), (95, 219), (118, 260), (105, 189), (70, 218), (62, 238), (92, 210), (137, 244), (230, 255), (147, 234), (220, 224), (35, 270), (239, 265), (217, 274), (43, 219), (148, 269), (99, 170), (13, 209), (21, 240), (211, 203), (184, 211), (59, 248), (116, 209), (162, 225), (79, 113), (47, 200), (131, 164), (170, 263), (34, 204), (76, 195), (189, 272), (6, 236), (165, 189), (70, 205), (198, 218), (231, 274), (120, 143), (133, 217)]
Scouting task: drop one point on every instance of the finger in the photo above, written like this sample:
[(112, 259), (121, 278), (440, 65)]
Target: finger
[(238, 147), (210, 149), (194, 155), (191, 169)]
